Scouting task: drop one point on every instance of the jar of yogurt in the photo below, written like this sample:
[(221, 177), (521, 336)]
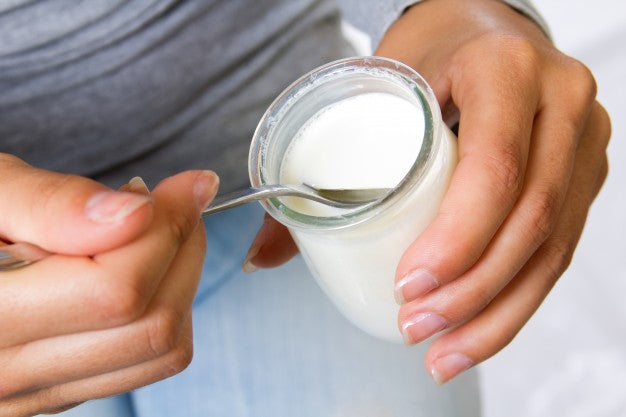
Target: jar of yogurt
[(356, 123)]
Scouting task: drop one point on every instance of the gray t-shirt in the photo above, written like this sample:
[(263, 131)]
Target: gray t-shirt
[(116, 88)]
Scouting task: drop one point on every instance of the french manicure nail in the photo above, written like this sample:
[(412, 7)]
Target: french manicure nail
[(248, 266), (204, 188), (113, 207), (449, 366), (255, 248), (413, 285), (137, 185), (421, 326)]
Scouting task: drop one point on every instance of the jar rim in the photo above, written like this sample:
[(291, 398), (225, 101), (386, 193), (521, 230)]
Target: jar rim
[(369, 66)]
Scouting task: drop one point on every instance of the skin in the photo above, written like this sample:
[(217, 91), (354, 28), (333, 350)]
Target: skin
[(532, 147)]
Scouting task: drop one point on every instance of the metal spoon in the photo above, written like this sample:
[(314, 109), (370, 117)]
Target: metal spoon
[(16, 255), (340, 197)]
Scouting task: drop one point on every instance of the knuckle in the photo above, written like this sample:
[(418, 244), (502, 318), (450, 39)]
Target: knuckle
[(481, 296), (602, 175), (515, 56), (602, 124), (505, 335), (13, 383), (582, 82), (558, 255), (181, 357), (505, 170), (7, 388), (445, 260), (162, 332), (180, 227), (49, 399), (521, 52), (542, 212), (48, 188), (117, 303)]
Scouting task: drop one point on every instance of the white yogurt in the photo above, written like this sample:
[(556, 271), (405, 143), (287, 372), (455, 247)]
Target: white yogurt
[(367, 141), (370, 140), (357, 123)]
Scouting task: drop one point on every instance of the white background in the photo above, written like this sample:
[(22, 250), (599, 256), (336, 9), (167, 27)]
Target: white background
[(570, 359)]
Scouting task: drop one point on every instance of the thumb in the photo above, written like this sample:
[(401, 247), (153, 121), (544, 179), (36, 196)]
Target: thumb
[(272, 246), (66, 213)]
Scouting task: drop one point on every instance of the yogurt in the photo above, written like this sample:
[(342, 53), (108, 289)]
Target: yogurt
[(357, 123), (367, 141)]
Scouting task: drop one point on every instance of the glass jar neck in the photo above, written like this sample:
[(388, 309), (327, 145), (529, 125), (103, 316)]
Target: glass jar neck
[(320, 88)]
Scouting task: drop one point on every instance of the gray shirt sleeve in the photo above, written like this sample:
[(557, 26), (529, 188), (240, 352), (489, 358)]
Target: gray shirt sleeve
[(374, 17)]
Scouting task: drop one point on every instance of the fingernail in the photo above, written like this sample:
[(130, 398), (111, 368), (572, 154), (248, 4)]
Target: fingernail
[(421, 326), (113, 207), (255, 248), (248, 266), (449, 366), (137, 185), (413, 285), (204, 188)]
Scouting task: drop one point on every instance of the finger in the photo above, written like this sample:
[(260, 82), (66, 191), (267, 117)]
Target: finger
[(67, 358), (61, 295), (272, 246), (182, 197), (53, 398), (494, 136), (64, 213), (529, 223), (62, 409), (496, 325)]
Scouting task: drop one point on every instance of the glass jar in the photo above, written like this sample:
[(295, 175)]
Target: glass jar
[(354, 256)]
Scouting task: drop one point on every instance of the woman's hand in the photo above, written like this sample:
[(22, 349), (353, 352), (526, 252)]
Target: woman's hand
[(532, 149), (75, 327)]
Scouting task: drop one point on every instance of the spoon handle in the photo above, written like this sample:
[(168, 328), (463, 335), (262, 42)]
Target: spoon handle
[(335, 198), (16, 255), (243, 196)]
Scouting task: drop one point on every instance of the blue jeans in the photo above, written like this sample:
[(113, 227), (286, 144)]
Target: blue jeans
[(272, 344)]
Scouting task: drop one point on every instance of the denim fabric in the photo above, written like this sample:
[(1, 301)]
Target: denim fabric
[(272, 344)]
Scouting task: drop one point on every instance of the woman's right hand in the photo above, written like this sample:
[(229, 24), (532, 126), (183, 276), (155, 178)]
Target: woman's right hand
[(110, 310)]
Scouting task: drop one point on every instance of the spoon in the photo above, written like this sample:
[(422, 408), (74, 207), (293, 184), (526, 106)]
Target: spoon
[(337, 197), (16, 255)]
